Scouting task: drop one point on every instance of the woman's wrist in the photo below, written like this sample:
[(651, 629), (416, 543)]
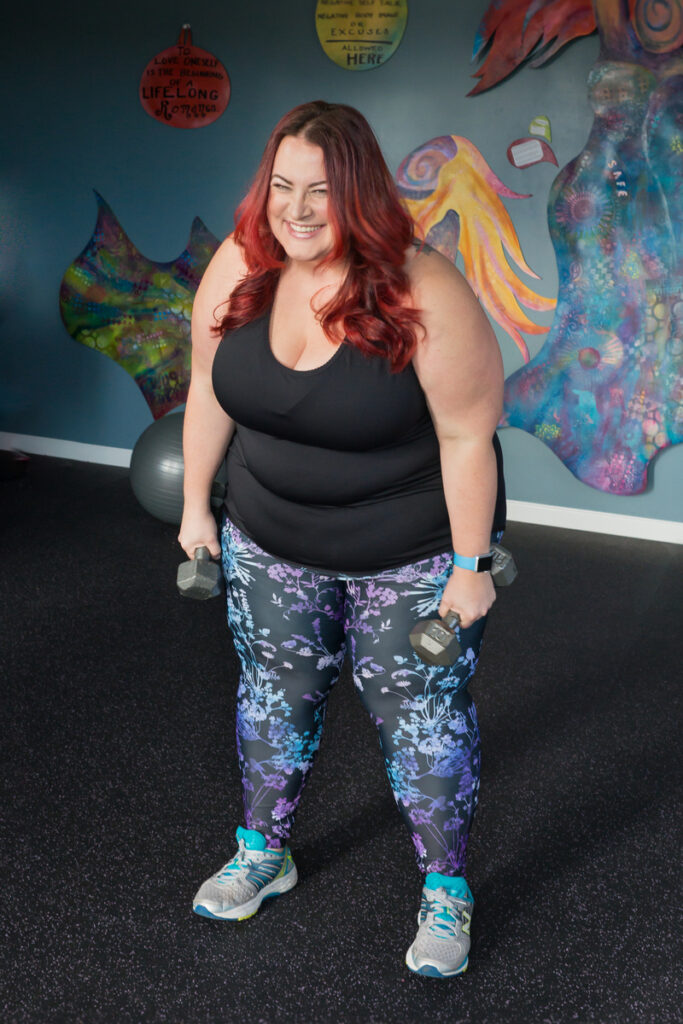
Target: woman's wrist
[(474, 563), (197, 503)]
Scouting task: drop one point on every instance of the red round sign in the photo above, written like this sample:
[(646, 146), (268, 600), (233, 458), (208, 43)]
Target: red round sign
[(185, 86)]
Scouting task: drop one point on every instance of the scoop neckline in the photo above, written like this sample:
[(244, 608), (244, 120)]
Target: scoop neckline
[(292, 369)]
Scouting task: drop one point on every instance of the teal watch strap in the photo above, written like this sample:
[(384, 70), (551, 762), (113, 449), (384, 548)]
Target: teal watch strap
[(476, 563)]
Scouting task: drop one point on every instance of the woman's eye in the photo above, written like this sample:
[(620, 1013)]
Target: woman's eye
[(279, 186), (320, 192)]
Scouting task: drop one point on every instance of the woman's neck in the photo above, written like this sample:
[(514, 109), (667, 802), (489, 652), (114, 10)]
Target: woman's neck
[(304, 275)]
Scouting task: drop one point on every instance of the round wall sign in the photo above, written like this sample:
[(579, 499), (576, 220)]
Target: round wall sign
[(185, 86), (360, 34)]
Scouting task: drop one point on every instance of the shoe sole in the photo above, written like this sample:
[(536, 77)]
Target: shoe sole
[(246, 910), (431, 970)]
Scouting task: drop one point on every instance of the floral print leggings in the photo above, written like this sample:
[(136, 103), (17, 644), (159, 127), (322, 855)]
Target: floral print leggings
[(292, 629)]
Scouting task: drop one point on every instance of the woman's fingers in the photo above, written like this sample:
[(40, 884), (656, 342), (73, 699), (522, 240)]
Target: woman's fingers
[(469, 594), (199, 531)]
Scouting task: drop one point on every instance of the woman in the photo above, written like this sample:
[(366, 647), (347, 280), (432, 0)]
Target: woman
[(356, 388)]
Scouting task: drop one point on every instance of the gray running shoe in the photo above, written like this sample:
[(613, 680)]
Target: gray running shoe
[(254, 874), (442, 943)]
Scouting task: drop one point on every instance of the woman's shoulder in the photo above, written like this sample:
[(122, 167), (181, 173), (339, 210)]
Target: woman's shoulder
[(224, 272), (226, 269), (424, 265), (433, 278), (228, 261)]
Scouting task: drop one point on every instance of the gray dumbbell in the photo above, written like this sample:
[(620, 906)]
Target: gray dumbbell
[(434, 640), (503, 570), (199, 578)]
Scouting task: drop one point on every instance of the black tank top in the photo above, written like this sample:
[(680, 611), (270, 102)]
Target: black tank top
[(335, 468)]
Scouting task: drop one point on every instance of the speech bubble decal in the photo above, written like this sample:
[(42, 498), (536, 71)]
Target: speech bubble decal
[(541, 126), (525, 152)]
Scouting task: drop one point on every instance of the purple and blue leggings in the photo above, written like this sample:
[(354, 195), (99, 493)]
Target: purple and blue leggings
[(292, 629)]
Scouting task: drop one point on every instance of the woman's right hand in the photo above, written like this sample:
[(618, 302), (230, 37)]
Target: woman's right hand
[(199, 529)]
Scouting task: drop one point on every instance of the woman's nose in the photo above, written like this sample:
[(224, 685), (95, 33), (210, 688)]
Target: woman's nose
[(300, 208)]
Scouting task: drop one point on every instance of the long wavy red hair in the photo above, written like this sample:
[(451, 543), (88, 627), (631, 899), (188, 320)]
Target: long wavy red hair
[(371, 231)]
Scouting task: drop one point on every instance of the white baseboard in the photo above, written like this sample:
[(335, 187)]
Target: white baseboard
[(518, 511), (595, 522), (65, 449)]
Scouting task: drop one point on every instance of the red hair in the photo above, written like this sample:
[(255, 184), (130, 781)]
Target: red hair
[(370, 227)]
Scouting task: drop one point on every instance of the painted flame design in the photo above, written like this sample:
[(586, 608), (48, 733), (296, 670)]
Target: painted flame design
[(455, 200)]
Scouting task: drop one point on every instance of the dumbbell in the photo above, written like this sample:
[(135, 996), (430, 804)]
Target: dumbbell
[(199, 578), (434, 640), (503, 570)]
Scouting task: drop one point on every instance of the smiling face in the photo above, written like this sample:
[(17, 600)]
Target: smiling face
[(297, 201)]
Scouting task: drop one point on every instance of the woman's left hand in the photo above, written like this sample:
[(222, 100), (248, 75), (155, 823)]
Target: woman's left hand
[(468, 593)]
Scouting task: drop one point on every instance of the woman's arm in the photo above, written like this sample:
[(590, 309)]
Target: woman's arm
[(207, 429), (459, 367)]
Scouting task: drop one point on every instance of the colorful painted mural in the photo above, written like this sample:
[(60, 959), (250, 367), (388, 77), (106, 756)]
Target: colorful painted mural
[(605, 392), (134, 310), (512, 31), (455, 200)]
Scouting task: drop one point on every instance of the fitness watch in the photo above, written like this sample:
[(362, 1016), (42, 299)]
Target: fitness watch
[(478, 563)]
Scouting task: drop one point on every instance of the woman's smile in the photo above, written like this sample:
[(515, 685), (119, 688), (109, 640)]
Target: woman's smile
[(303, 230)]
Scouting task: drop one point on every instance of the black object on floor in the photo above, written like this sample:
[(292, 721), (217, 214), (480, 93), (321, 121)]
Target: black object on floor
[(121, 793)]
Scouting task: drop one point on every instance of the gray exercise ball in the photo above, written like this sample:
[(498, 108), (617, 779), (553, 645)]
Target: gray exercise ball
[(157, 470)]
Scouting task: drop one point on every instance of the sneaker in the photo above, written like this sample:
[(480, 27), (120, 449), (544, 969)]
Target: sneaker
[(254, 874), (442, 943)]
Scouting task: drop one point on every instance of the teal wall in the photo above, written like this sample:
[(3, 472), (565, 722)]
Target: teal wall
[(75, 124)]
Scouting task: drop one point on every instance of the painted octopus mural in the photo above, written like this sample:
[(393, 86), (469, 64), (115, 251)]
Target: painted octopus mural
[(605, 392)]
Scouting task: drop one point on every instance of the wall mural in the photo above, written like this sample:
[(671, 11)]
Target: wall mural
[(454, 198), (134, 310), (511, 31), (605, 392)]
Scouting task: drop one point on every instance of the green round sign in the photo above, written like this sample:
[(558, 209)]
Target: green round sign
[(360, 34)]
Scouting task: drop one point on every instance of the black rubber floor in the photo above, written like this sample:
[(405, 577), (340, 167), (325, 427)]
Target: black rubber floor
[(121, 793)]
